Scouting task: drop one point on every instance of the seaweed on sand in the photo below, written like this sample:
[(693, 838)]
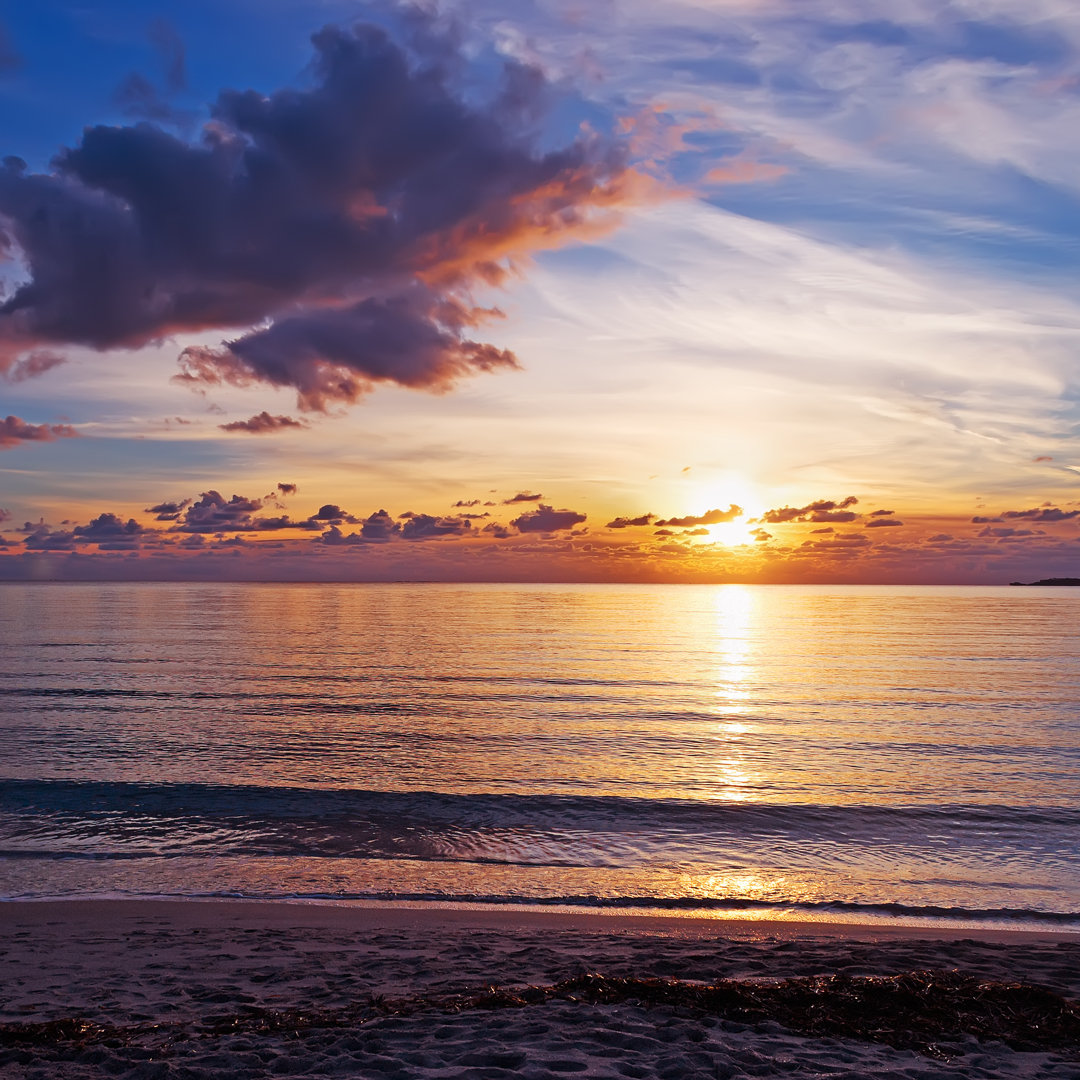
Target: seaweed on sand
[(918, 1010)]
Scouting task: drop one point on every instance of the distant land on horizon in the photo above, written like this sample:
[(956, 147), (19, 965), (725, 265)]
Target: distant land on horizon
[(1050, 581)]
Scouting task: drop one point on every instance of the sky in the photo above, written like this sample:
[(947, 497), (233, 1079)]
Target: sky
[(772, 291)]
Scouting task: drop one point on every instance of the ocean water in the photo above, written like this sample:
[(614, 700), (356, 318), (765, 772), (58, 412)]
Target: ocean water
[(861, 751)]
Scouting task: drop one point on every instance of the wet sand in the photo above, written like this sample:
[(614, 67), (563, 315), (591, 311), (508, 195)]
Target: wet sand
[(181, 982)]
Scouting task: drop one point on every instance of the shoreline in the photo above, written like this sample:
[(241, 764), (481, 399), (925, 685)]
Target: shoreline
[(369, 915), (154, 989)]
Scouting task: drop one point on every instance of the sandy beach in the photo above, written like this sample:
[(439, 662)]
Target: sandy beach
[(210, 989)]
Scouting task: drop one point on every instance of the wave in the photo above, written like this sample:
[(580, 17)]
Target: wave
[(81, 818), (712, 905)]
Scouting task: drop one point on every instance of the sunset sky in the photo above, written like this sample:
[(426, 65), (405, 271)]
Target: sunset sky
[(552, 290)]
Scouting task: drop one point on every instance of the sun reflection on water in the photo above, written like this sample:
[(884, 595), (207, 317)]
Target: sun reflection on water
[(734, 677)]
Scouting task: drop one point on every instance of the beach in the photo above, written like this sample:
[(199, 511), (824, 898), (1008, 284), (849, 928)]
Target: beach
[(235, 988)]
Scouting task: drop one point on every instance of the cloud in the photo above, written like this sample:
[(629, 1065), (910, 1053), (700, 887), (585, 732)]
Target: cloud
[(110, 531), (627, 523), (1006, 532), (32, 365), (465, 504), (881, 513), (351, 219), (743, 170), (44, 539), (167, 511), (332, 514), (379, 528), (283, 521), (424, 527), (170, 46), (263, 423), (545, 519), (14, 431), (821, 511), (710, 517), (522, 497), (1046, 513), (286, 489), (882, 523), (213, 513)]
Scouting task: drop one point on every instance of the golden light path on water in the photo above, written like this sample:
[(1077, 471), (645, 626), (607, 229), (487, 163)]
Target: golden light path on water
[(751, 744)]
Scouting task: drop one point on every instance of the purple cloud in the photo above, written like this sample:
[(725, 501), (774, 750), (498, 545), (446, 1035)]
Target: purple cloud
[(823, 510), (263, 424), (627, 523), (546, 519), (213, 513), (14, 430), (353, 217)]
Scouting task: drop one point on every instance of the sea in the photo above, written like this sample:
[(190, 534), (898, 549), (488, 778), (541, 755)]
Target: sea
[(866, 753)]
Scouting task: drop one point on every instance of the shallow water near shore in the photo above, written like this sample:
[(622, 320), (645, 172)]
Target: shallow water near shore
[(885, 751)]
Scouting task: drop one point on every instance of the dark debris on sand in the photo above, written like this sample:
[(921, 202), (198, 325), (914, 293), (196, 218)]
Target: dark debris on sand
[(919, 1010)]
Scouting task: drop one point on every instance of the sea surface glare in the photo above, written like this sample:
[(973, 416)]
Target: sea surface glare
[(868, 751)]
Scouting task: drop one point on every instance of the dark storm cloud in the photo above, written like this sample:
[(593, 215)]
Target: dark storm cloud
[(545, 519), (710, 517), (14, 430), (352, 217), (821, 511), (263, 424), (626, 523), (522, 497)]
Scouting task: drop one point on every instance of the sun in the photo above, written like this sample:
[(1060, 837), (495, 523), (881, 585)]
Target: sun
[(732, 533), (723, 491)]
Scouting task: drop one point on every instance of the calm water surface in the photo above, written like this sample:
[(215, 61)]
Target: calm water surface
[(883, 750)]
